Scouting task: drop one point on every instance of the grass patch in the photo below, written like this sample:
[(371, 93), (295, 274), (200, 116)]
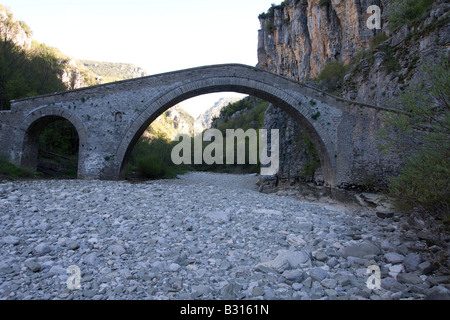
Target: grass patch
[(9, 171)]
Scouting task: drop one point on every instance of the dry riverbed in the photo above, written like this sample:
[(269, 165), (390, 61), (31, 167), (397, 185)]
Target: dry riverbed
[(202, 236)]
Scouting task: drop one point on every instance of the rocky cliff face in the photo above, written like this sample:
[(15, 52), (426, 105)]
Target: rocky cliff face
[(299, 37), (205, 120), (388, 68), (110, 71), (13, 30), (175, 121), (71, 72)]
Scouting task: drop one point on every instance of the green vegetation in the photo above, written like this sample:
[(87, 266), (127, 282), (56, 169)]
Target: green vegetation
[(59, 137), (403, 12), (166, 127), (270, 14), (245, 114), (58, 150), (270, 26), (424, 182), (333, 74), (312, 162), (11, 172), (323, 3), (151, 159), (25, 73), (378, 39), (333, 69), (361, 55), (316, 115)]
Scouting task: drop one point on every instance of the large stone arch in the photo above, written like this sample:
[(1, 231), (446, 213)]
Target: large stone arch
[(110, 118), (32, 126), (270, 92)]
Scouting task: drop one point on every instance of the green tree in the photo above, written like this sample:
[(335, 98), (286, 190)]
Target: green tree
[(45, 69), (12, 60), (422, 134)]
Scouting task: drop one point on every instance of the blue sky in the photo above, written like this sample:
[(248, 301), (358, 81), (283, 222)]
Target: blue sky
[(159, 36)]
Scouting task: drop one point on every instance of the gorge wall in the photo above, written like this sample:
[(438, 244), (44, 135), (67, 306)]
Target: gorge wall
[(299, 37)]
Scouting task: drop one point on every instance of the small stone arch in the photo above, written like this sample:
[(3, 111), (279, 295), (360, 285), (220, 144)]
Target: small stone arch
[(264, 90), (32, 126)]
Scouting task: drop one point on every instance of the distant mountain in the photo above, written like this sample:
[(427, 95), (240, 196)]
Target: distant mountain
[(171, 123), (29, 68), (110, 72), (205, 120), (177, 121)]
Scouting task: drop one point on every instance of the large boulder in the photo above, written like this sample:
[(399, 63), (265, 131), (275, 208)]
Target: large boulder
[(361, 250)]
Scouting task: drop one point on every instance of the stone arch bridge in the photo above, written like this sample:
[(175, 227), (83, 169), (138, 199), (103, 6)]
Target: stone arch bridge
[(110, 119)]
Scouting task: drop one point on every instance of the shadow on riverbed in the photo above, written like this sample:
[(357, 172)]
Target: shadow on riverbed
[(325, 195)]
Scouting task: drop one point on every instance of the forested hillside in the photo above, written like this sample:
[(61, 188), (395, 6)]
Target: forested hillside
[(29, 68)]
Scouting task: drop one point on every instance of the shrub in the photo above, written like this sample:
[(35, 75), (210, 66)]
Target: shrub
[(270, 27), (151, 167), (378, 39), (312, 162), (424, 183), (407, 11), (323, 3), (270, 14), (422, 135), (10, 171), (333, 73), (151, 159), (316, 115)]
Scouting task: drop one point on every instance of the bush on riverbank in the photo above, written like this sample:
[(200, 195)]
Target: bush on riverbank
[(9, 171), (151, 159), (424, 181)]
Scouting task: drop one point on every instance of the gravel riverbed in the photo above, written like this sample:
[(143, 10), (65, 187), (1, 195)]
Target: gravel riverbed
[(202, 236)]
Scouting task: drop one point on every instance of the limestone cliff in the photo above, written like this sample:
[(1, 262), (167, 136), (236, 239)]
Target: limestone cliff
[(205, 120), (111, 72), (299, 37), (386, 69), (16, 31), (70, 71), (170, 124)]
